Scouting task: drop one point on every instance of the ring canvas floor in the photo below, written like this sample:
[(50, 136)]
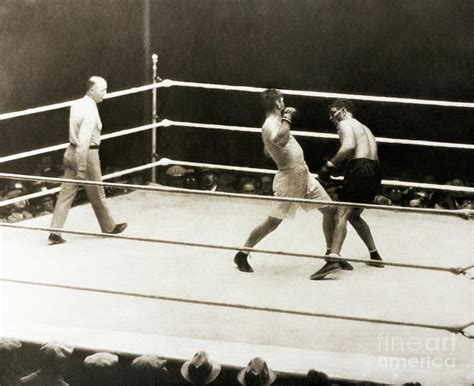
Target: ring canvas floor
[(343, 349)]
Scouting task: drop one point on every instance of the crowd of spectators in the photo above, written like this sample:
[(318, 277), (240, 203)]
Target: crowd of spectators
[(426, 198), (251, 183), (212, 180), (57, 364), (44, 203)]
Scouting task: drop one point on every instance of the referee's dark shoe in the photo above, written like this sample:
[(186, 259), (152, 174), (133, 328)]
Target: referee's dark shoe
[(54, 239), (119, 228), (240, 260)]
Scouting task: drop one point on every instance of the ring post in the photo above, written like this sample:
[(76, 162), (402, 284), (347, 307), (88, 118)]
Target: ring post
[(154, 118)]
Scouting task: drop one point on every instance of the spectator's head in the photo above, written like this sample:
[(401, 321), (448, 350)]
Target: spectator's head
[(248, 185), (15, 189), (266, 185), (55, 355), (200, 370), (207, 179), (396, 195), (257, 373), (175, 176), (100, 368), (101, 360), (45, 165), (382, 200), (149, 370), (8, 353), (420, 200), (190, 181), (226, 179), (49, 167), (318, 378), (44, 203), (457, 182)]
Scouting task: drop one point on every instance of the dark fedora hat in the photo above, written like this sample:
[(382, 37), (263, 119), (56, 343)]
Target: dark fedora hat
[(200, 369), (256, 373)]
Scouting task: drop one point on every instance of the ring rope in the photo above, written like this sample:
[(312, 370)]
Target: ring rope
[(453, 329), (463, 213), (453, 270), (469, 105), (56, 190), (467, 273), (65, 145), (450, 188), (301, 133), (32, 153), (61, 105), (170, 83), (166, 122), (166, 161)]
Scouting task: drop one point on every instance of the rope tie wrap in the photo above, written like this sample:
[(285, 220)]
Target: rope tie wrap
[(466, 273), (463, 330)]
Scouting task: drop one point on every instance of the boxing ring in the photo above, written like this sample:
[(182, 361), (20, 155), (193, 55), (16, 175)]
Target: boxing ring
[(168, 284)]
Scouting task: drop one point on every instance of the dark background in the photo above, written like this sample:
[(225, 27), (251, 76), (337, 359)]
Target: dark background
[(406, 48)]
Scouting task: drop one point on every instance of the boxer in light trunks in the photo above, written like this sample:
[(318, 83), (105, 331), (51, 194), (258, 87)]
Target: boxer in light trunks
[(362, 182), (292, 179)]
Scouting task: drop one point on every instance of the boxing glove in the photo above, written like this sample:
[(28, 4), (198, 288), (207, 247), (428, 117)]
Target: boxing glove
[(324, 173), (290, 114)]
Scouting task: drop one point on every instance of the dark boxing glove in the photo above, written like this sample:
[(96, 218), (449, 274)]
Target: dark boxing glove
[(290, 114), (324, 174)]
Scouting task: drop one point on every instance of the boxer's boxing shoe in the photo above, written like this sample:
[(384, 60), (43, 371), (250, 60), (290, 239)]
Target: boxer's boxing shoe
[(55, 239), (327, 269)]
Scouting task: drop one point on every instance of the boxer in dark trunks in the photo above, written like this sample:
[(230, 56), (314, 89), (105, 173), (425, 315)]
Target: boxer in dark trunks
[(362, 182)]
